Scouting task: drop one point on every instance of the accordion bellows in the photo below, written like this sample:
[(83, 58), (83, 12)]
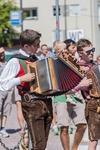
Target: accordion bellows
[(55, 76)]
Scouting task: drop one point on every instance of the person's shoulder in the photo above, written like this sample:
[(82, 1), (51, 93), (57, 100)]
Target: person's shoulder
[(12, 61)]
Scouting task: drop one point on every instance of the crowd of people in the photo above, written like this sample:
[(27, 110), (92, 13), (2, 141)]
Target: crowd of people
[(77, 107)]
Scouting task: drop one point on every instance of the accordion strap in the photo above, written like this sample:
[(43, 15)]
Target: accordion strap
[(22, 62)]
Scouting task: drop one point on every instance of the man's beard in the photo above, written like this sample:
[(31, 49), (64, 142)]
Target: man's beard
[(2, 59)]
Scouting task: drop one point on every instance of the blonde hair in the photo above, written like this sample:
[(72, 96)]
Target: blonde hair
[(56, 45)]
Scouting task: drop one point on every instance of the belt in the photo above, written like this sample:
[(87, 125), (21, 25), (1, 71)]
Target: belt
[(32, 97), (96, 99)]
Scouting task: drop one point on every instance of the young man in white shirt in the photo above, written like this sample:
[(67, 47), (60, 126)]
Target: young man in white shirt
[(37, 110)]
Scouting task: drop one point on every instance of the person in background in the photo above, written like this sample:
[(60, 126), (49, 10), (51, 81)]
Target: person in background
[(44, 51), (54, 127), (5, 99), (86, 52), (20, 117), (58, 46), (37, 109), (17, 100), (72, 48), (98, 60), (67, 111)]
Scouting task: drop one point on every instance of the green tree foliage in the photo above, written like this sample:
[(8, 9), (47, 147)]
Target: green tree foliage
[(7, 32)]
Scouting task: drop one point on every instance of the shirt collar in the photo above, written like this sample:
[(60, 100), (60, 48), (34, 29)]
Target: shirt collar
[(27, 55), (23, 53)]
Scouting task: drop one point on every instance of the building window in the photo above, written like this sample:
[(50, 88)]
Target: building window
[(74, 10), (30, 13)]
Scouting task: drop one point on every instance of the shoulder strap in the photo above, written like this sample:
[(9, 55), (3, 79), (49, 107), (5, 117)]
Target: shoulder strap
[(21, 59), (22, 62), (32, 58), (20, 56)]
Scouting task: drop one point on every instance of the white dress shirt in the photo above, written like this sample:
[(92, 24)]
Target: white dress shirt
[(8, 77)]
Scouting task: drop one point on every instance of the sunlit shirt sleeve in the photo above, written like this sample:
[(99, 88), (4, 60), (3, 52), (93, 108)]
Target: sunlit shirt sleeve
[(8, 77)]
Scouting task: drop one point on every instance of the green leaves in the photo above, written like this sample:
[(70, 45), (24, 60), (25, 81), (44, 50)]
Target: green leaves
[(7, 32)]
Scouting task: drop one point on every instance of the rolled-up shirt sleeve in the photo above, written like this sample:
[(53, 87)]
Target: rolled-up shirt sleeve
[(8, 77), (77, 88), (74, 90)]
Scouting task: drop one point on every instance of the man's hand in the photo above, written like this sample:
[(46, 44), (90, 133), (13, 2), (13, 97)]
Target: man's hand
[(85, 83), (27, 77)]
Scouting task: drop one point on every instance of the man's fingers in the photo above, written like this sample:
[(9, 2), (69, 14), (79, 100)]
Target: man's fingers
[(90, 81), (33, 76)]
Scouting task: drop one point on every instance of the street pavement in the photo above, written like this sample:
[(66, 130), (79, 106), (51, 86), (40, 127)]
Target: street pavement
[(53, 141)]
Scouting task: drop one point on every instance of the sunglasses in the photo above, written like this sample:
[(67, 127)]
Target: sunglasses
[(89, 51)]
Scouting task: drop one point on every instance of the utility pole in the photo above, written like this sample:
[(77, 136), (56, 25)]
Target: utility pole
[(76, 18), (65, 4), (21, 7), (57, 21)]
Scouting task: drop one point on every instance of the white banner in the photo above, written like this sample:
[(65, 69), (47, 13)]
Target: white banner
[(75, 34)]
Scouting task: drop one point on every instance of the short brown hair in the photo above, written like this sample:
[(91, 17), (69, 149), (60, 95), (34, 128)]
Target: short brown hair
[(83, 43), (28, 37), (43, 45)]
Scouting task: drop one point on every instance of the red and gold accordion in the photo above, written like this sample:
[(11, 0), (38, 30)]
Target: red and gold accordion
[(55, 76)]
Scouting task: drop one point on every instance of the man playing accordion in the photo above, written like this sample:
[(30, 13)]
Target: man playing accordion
[(86, 52), (37, 109)]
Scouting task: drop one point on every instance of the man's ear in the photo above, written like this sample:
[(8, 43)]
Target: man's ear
[(25, 46)]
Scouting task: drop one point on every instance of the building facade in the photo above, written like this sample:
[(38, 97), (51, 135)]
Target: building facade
[(76, 19)]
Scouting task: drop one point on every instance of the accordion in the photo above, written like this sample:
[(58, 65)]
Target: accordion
[(55, 76), (94, 74)]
